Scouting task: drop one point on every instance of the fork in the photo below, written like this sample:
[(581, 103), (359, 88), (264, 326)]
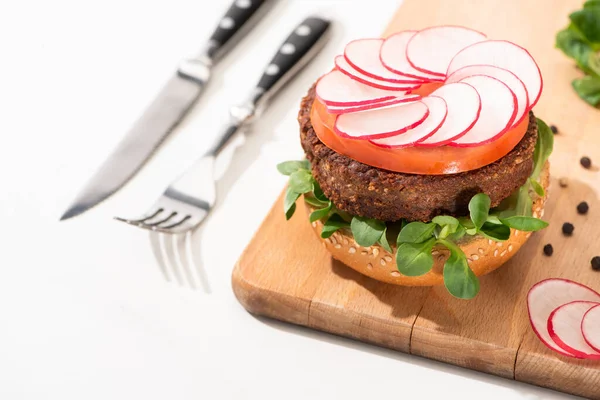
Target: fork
[(189, 199)]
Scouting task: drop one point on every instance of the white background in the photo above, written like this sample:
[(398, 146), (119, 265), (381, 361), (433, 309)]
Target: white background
[(85, 311)]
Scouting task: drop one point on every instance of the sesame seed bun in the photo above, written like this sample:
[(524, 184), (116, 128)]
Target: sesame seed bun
[(483, 255)]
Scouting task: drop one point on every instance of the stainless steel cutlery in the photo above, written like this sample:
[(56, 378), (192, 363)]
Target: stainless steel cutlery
[(169, 107), (188, 200)]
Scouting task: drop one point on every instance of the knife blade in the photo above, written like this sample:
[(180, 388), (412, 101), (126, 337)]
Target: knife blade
[(169, 107)]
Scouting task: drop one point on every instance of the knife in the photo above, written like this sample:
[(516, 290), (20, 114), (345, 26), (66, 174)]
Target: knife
[(168, 108)]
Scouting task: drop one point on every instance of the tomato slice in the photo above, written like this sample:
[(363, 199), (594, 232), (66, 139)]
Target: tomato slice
[(415, 160)]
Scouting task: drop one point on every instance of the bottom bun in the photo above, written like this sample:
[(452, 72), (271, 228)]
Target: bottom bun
[(483, 255)]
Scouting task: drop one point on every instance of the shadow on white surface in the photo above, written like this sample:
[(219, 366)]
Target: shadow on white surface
[(527, 390)]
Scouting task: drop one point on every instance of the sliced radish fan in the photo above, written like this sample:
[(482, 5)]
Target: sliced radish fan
[(590, 327), (463, 105), (549, 295), (507, 77), (498, 110), (393, 57), (363, 55), (342, 64), (432, 49), (488, 87), (437, 114), (564, 327), (380, 123)]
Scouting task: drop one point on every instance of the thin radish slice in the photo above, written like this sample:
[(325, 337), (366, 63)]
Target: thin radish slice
[(564, 327), (335, 88), (464, 107), (498, 110), (437, 114), (393, 57), (371, 106), (431, 50), (363, 55), (342, 65), (590, 327), (506, 55), (509, 79), (380, 123), (547, 295)]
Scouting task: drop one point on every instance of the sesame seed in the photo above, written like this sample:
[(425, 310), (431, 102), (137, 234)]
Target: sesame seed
[(568, 229), (585, 162), (548, 250), (582, 208)]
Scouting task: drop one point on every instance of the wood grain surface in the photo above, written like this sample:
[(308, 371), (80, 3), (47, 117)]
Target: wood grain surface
[(285, 272)]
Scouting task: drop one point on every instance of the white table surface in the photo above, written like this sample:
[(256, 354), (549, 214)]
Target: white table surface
[(85, 312)]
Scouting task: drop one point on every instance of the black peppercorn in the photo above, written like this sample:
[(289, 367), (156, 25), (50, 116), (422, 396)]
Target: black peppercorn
[(596, 263), (554, 129), (548, 250), (586, 162), (582, 208), (568, 228)]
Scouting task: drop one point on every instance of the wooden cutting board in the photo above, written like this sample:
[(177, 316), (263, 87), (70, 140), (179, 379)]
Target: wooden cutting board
[(286, 274)]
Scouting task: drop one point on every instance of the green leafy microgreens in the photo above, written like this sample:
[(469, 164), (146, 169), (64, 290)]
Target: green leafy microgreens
[(459, 279), (415, 259), (367, 231), (333, 224), (320, 213), (416, 240), (581, 42), (479, 208)]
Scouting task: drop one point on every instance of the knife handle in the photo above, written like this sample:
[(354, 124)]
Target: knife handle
[(237, 20), (306, 40)]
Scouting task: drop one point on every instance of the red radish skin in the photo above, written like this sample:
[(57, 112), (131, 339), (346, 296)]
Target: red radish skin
[(371, 106), (437, 115), (564, 327), (363, 55), (348, 70), (432, 49), (549, 294), (498, 111), (506, 55), (337, 89), (505, 76), (590, 327), (381, 123), (464, 107), (393, 57)]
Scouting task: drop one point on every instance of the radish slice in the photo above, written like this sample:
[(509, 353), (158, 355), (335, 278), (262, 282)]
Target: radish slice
[(590, 327), (464, 107), (507, 77), (380, 123), (371, 106), (363, 55), (564, 327), (432, 49), (342, 64), (506, 55), (437, 114), (335, 88), (498, 110), (547, 295), (393, 57)]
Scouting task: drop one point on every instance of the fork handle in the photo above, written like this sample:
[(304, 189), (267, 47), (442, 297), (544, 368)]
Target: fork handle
[(302, 45)]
